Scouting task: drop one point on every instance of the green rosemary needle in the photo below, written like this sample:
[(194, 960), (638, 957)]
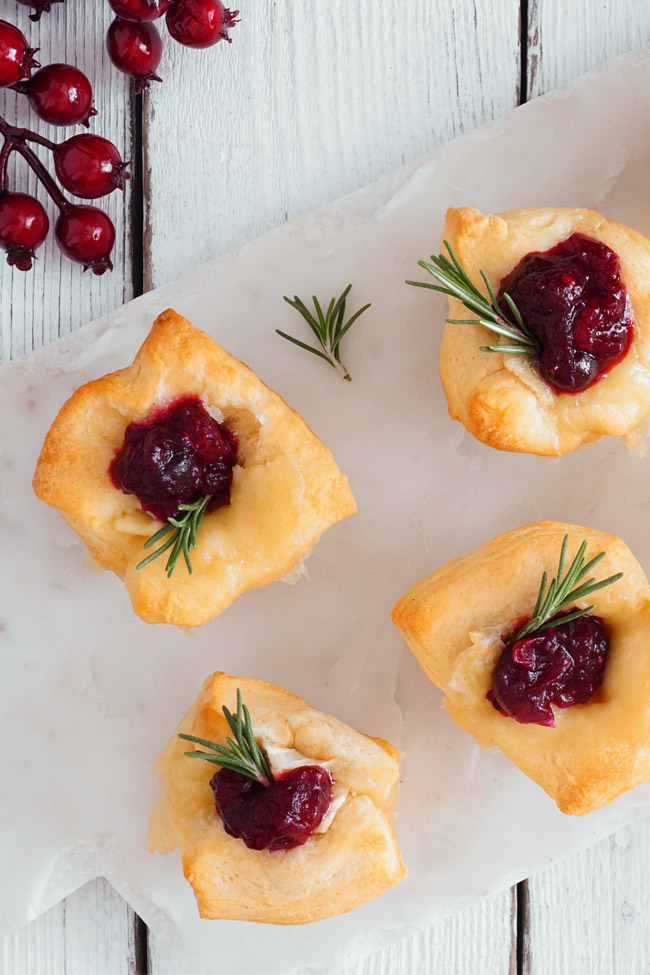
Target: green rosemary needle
[(181, 532), (329, 327), (455, 282), (242, 755), (564, 590)]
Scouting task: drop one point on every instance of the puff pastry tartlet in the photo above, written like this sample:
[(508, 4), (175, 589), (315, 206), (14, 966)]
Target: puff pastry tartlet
[(456, 621), (504, 399), (351, 856), (284, 487)]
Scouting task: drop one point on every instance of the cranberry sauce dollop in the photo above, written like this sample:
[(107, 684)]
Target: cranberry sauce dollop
[(174, 457), (571, 298), (562, 666), (277, 816)]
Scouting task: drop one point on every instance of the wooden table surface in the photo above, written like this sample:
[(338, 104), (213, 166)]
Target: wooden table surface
[(312, 100)]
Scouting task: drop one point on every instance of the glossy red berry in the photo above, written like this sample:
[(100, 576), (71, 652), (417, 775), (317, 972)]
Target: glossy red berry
[(200, 23), (40, 7), (23, 228), (60, 94), (140, 11), (16, 57), (86, 234), (89, 166), (136, 50)]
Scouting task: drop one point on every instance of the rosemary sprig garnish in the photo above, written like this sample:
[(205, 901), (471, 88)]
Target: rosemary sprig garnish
[(455, 282), (329, 328), (242, 755), (564, 590), (184, 529)]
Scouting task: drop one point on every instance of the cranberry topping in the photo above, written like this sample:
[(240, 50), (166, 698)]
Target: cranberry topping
[(572, 300), (278, 816), (174, 457), (562, 666)]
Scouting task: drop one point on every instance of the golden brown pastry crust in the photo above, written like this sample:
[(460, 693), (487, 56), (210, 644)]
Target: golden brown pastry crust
[(453, 619), (287, 489), (502, 399), (356, 859)]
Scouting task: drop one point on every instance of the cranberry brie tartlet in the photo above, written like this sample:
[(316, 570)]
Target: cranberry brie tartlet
[(575, 364), (187, 455), (293, 826), (540, 640)]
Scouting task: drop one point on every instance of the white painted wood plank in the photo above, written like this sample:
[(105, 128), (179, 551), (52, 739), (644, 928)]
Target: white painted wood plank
[(90, 933), (480, 940), (588, 915), (311, 101), (57, 296), (611, 37), (567, 39)]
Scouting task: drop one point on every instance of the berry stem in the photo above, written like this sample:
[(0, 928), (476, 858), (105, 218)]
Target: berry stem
[(22, 87), (42, 174), (24, 135), (5, 152), (30, 136), (15, 139)]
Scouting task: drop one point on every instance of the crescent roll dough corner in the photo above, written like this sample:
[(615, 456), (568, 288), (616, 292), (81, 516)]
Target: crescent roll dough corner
[(454, 620), (349, 859), (501, 398), (286, 488)]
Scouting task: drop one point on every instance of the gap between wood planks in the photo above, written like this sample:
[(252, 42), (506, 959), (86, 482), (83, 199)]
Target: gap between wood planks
[(137, 196), (522, 927), (141, 964), (142, 280)]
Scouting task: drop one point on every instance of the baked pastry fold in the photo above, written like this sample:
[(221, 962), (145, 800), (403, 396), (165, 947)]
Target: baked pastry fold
[(353, 860), (453, 621), (501, 399), (286, 487)]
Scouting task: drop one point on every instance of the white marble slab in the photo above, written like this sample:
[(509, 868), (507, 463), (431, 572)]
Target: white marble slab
[(95, 693)]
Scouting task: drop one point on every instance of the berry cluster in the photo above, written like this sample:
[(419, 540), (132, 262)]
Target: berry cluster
[(87, 165), (134, 43)]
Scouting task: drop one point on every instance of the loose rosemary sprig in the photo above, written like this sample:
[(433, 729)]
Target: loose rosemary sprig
[(242, 755), (564, 590), (184, 529), (329, 328), (455, 282)]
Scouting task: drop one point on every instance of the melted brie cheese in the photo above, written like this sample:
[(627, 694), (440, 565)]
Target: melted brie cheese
[(136, 523)]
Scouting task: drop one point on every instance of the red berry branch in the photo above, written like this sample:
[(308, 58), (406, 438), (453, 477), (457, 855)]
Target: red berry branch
[(87, 165), (60, 93), (134, 43)]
